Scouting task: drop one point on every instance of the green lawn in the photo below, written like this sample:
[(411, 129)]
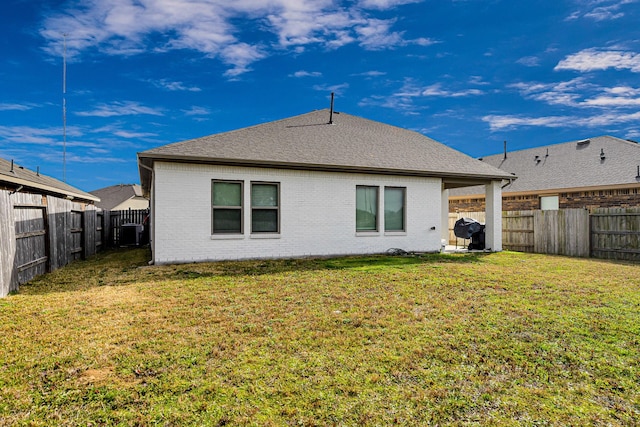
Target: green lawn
[(465, 339)]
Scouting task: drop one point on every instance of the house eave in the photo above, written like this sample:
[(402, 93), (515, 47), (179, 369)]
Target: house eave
[(452, 179)]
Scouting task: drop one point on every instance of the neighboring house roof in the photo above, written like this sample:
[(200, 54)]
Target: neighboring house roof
[(570, 165), (310, 142), (112, 196), (17, 175)]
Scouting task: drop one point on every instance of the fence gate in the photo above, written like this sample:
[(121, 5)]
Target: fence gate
[(518, 231), (615, 233), (32, 241)]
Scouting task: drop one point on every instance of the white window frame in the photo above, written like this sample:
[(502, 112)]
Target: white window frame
[(404, 209), (376, 231), (220, 207), (275, 208)]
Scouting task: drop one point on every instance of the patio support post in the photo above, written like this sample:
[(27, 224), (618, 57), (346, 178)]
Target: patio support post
[(444, 220), (493, 229)]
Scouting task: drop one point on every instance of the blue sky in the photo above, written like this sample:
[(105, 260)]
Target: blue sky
[(468, 73)]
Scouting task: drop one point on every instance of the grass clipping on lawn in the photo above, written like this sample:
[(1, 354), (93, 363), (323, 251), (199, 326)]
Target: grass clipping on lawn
[(465, 339)]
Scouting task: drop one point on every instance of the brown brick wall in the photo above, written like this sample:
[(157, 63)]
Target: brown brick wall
[(582, 199), (601, 199)]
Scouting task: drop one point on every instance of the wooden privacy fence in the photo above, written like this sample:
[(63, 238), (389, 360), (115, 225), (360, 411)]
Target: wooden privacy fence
[(39, 234), (602, 233)]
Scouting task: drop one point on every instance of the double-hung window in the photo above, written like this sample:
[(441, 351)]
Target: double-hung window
[(265, 207), (366, 208), (394, 208), (227, 214)]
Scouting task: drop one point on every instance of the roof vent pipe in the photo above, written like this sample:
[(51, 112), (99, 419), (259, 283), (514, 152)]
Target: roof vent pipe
[(11, 170), (638, 175), (505, 150), (547, 155), (331, 111), (602, 156)]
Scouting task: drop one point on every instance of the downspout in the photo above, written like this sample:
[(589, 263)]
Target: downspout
[(510, 181)]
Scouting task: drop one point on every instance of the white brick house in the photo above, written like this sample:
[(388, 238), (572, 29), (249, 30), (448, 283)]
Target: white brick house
[(305, 187)]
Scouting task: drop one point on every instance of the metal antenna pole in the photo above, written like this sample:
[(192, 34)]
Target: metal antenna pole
[(64, 108)]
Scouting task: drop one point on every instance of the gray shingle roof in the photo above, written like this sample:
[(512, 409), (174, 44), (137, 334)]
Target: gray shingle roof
[(307, 141), (575, 164), (114, 195), (36, 181)]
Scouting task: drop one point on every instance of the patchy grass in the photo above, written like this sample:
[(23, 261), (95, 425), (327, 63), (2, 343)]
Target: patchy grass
[(466, 339)]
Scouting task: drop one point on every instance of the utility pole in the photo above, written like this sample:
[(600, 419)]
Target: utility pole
[(64, 108)]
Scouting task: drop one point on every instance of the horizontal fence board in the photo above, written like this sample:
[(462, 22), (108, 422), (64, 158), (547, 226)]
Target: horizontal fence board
[(30, 234), (615, 214), (33, 263)]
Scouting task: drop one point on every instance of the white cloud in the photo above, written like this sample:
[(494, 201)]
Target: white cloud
[(129, 134), (610, 12), (174, 86), (16, 107), (384, 4), (422, 41), (562, 93), (372, 73), (338, 89), (303, 73), (594, 59), (31, 135), (125, 108), (478, 80), (579, 93), (375, 34), (613, 101), (436, 90), (239, 56), (51, 136), (529, 61), (129, 27), (197, 111), (600, 10), (502, 122), (499, 122)]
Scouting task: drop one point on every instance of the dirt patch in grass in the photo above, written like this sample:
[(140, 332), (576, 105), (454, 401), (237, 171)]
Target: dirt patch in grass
[(468, 339)]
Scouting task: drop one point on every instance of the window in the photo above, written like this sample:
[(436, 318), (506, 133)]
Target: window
[(366, 208), (394, 208), (549, 203), (226, 207), (265, 207)]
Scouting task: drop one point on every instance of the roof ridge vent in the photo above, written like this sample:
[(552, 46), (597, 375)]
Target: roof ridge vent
[(583, 142)]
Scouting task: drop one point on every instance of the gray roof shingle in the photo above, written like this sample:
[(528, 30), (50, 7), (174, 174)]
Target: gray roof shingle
[(114, 195), (575, 164), (308, 141), (35, 181)]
